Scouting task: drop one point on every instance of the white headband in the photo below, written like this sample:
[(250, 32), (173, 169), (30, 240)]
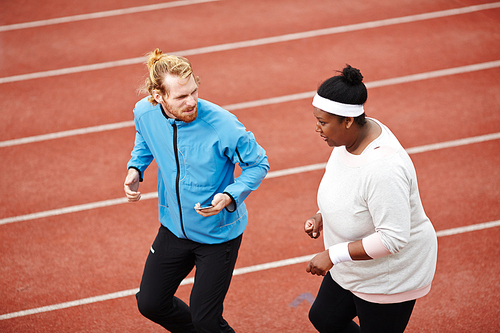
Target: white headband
[(340, 109)]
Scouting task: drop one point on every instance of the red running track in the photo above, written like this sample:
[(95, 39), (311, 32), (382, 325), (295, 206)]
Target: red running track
[(69, 257)]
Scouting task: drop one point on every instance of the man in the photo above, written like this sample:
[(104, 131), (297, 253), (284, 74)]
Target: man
[(196, 145)]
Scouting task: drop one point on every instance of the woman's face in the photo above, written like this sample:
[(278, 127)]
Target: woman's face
[(330, 128)]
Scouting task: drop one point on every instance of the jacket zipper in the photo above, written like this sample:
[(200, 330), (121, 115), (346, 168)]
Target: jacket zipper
[(177, 187)]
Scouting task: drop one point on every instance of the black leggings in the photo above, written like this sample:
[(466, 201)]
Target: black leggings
[(169, 262), (335, 308)]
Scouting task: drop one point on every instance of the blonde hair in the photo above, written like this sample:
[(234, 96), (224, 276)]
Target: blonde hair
[(159, 65)]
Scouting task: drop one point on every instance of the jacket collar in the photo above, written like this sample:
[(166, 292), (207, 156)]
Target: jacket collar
[(171, 120)]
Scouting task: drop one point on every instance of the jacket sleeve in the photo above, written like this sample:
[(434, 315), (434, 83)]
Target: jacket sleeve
[(253, 162), (141, 155)]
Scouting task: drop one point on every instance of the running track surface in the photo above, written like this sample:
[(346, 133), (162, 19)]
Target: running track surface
[(72, 251)]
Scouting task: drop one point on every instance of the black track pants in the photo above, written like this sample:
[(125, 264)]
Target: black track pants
[(170, 260), (334, 309)]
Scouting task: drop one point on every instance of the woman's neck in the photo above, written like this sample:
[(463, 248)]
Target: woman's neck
[(366, 134)]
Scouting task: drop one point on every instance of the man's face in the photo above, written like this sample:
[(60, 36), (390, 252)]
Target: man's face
[(181, 102)]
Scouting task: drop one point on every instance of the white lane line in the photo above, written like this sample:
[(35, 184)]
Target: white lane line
[(272, 174), (293, 171), (262, 102), (258, 42), (414, 150), (372, 84), (454, 143), (108, 13), (63, 134), (237, 271), (469, 228), (74, 209)]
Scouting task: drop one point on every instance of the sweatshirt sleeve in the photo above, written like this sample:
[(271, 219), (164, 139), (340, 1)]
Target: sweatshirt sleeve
[(388, 198)]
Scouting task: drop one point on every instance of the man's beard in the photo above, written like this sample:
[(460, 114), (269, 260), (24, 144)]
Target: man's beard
[(179, 114)]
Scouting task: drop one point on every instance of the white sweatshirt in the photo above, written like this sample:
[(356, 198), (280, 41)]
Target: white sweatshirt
[(377, 191)]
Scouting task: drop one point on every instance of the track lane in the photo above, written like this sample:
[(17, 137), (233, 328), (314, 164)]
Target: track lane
[(374, 51), (118, 234), (98, 251), (101, 14), (272, 174), (252, 20), (279, 128), (260, 103), (466, 285), (30, 10), (273, 298)]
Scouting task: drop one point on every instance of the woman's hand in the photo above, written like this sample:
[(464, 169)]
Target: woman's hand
[(314, 226), (320, 264)]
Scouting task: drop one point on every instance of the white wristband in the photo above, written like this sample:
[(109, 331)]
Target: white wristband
[(339, 253)]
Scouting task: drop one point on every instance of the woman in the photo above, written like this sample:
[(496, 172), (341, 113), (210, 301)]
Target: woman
[(381, 248)]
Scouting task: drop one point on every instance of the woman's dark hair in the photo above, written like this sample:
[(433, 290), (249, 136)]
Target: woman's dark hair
[(347, 88)]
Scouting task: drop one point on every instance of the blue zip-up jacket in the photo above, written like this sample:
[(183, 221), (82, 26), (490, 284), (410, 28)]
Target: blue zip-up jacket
[(195, 161)]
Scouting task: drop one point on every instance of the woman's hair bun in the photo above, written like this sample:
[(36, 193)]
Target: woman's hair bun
[(352, 75)]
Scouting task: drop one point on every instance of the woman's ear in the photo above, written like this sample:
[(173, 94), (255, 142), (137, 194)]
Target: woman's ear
[(348, 122)]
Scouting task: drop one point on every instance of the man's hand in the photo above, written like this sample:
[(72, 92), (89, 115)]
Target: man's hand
[(320, 264), (220, 201), (132, 185), (314, 226)]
